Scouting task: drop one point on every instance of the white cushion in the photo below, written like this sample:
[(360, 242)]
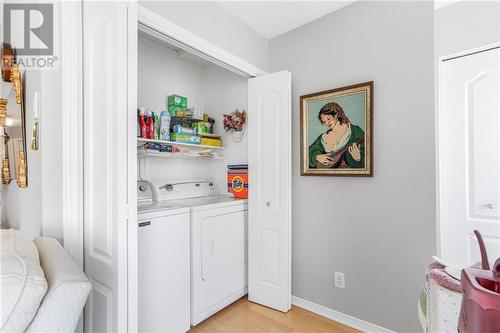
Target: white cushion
[(68, 290), (22, 281)]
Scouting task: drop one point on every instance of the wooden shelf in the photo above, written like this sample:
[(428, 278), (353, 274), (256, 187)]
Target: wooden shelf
[(180, 144)]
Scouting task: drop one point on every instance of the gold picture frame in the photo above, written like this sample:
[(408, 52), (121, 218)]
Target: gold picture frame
[(336, 128)]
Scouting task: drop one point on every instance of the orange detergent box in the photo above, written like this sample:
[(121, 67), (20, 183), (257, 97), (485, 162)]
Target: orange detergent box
[(237, 180)]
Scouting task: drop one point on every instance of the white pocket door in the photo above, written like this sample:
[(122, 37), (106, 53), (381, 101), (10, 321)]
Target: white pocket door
[(269, 216)]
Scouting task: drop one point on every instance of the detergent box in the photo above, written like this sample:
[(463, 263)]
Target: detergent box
[(203, 127), (206, 141), (197, 113), (185, 138), (176, 100), (237, 180), (176, 105), (175, 110)]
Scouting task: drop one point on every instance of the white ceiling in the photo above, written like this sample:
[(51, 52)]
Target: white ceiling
[(273, 18)]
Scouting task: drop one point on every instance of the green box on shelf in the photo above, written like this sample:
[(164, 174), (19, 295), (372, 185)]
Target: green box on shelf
[(201, 127), (185, 138), (172, 110), (176, 100)]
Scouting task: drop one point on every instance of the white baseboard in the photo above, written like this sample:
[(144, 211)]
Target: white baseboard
[(339, 317)]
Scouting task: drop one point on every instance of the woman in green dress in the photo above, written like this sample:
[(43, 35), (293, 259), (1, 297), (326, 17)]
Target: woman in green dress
[(342, 145)]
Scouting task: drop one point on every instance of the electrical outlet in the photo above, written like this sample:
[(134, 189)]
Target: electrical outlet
[(339, 280)]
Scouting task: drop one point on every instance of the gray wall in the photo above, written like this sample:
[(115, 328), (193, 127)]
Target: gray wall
[(217, 25), (380, 231), (466, 25)]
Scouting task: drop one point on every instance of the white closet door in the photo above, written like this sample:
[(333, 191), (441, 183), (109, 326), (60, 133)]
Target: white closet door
[(469, 151), (269, 212), (105, 163)]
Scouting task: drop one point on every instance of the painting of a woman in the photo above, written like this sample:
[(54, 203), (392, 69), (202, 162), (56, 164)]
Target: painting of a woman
[(342, 145), (336, 131)]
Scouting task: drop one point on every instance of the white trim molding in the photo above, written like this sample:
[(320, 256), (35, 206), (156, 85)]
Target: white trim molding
[(132, 265), (196, 44), (72, 144), (339, 317)]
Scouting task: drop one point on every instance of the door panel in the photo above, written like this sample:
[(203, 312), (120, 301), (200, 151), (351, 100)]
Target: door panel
[(269, 159), (469, 156), (105, 150), (482, 108)]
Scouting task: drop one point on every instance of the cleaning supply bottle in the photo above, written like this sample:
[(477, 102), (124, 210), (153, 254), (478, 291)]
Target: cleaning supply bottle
[(150, 124), (143, 126), (165, 126), (156, 120)]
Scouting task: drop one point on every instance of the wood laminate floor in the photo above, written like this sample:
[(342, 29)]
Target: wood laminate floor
[(248, 317)]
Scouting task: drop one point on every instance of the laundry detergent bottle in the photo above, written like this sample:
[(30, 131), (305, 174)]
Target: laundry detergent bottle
[(143, 126), (150, 122)]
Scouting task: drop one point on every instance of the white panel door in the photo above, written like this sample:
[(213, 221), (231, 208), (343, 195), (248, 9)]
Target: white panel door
[(469, 156), (105, 163), (269, 208)]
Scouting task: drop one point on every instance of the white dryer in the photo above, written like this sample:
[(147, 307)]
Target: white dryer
[(219, 266)]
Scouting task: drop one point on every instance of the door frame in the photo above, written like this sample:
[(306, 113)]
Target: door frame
[(72, 129), (72, 133), (439, 104)]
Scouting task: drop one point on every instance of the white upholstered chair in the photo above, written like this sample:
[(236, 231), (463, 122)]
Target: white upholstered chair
[(41, 287)]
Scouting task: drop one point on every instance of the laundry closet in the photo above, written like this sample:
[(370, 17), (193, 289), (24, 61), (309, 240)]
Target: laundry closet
[(166, 244), (192, 233), (165, 70)]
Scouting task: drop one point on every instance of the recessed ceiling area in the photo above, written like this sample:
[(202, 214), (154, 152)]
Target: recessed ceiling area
[(273, 18)]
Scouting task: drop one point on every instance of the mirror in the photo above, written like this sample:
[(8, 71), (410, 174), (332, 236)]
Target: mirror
[(13, 121)]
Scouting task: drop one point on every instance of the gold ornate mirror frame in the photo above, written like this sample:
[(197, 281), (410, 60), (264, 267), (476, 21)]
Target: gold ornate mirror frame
[(22, 169)]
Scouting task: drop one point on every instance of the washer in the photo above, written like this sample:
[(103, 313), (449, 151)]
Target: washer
[(219, 265), (163, 263)]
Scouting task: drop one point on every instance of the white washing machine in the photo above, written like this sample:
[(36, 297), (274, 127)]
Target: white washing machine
[(219, 267), (163, 264)]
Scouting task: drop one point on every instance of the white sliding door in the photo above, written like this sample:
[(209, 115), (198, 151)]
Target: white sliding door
[(469, 155), (105, 163), (269, 213)]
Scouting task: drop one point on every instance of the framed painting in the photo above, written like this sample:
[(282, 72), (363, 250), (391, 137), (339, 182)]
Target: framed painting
[(336, 132)]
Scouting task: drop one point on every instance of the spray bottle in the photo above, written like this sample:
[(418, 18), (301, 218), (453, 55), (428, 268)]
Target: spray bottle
[(143, 133), (150, 124)]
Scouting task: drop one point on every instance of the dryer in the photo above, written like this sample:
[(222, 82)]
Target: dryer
[(219, 265)]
